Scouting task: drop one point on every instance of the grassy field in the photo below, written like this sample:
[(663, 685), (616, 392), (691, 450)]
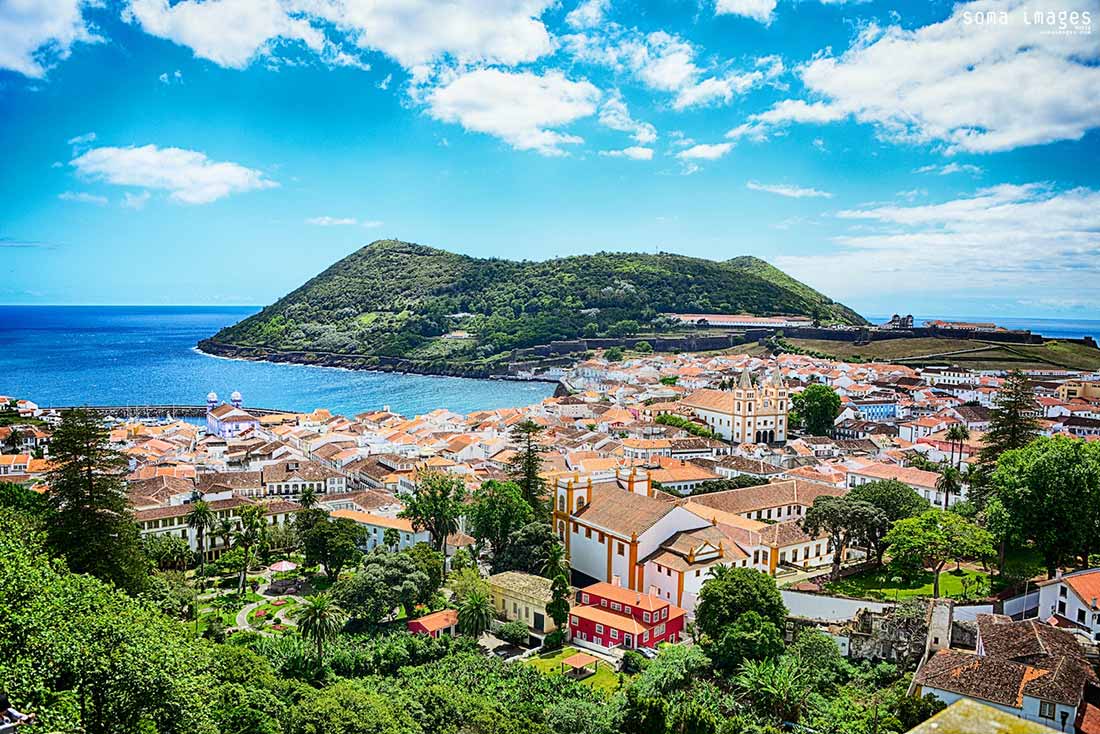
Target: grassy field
[(605, 679), (977, 354), (880, 585)]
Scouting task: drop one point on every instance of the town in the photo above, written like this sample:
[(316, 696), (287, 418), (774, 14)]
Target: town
[(744, 516)]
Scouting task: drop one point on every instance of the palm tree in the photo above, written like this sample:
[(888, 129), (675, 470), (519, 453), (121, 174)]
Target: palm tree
[(555, 564), (475, 613), (320, 619), (956, 434), (249, 536), (779, 687), (200, 519), (308, 498), (950, 482), (225, 529)]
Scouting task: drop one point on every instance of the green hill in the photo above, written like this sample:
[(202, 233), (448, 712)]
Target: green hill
[(398, 299)]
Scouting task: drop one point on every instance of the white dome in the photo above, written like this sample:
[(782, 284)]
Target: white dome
[(212, 395), (235, 396)]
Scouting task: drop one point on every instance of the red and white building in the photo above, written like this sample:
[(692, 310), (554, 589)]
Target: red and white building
[(608, 616), (444, 622)]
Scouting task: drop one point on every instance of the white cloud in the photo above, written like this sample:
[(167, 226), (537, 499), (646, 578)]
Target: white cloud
[(332, 221), (635, 152), (587, 14), (228, 32), (38, 33), (948, 169), (715, 89), (188, 175), (521, 108), (760, 10), (81, 139), (371, 223), (420, 32), (792, 192), (385, 83), (977, 88), (615, 115), (135, 201), (1026, 238), (705, 151), (83, 197), (783, 113), (663, 62)]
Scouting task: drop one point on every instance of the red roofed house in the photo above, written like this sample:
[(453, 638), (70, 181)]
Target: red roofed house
[(445, 621), (608, 616)]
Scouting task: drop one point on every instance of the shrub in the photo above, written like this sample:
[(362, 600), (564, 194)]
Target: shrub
[(514, 632), (633, 662), (553, 641)]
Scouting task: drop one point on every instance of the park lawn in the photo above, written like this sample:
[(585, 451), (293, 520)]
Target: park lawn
[(605, 680), (285, 612), (878, 584)]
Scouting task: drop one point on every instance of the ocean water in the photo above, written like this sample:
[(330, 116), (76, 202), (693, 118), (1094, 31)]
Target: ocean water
[(1054, 328), (142, 355)]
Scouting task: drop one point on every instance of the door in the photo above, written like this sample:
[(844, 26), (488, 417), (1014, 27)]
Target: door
[(540, 622), (628, 641)]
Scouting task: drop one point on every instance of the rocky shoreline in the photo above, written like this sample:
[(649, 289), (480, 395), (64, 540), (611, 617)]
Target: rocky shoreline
[(361, 362)]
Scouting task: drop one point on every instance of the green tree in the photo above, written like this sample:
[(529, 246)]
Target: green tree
[(465, 581), (430, 563), (308, 498), (167, 552), (528, 549), (643, 347), (817, 407), (845, 521), (498, 510), (950, 482), (515, 633), (558, 608), (933, 538), (526, 467), (200, 518), (1012, 422), (26, 501), (749, 637), (1051, 490), (614, 354), (91, 524), (435, 506), (391, 539), (320, 619), (475, 613), (348, 707), (334, 544), (957, 434), (729, 592), (777, 687), (896, 500), (253, 531)]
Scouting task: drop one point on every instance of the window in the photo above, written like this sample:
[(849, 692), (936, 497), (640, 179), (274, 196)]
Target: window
[(616, 606), (1061, 607), (1062, 591), (584, 598), (1081, 616), (1046, 709), (614, 634), (603, 602), (573, 620), (599, 629), (664, 613), (621, 550), (659, 630), (645, 616)]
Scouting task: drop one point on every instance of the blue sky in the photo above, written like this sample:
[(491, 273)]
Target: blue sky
[(899, 156)]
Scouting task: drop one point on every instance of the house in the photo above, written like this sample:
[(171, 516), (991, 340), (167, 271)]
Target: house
[(376, 526), (290, 477), (171, 519), (923, 482), (1072, 599), (678, 475), (608, 616), (523, 597), (444, 622), (1026, 668)]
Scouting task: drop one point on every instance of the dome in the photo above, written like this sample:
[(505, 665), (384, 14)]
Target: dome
[(235, 396), (212, 396)]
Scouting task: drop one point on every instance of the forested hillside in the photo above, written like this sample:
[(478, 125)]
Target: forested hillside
[(397, 299)]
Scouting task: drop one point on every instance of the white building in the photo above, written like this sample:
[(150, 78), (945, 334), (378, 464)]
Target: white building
[(746, 414), (1073, 600)]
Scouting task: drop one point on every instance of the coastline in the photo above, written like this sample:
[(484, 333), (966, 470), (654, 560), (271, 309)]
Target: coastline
[(356, 362)]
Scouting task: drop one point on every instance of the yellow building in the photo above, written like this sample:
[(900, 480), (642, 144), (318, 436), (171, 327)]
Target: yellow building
[(1077, 389), (523, 597)]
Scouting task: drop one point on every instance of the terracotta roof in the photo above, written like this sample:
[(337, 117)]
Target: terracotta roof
[(763, 496), (620, 511), (366, 518), (715, 400), (436, 621)]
